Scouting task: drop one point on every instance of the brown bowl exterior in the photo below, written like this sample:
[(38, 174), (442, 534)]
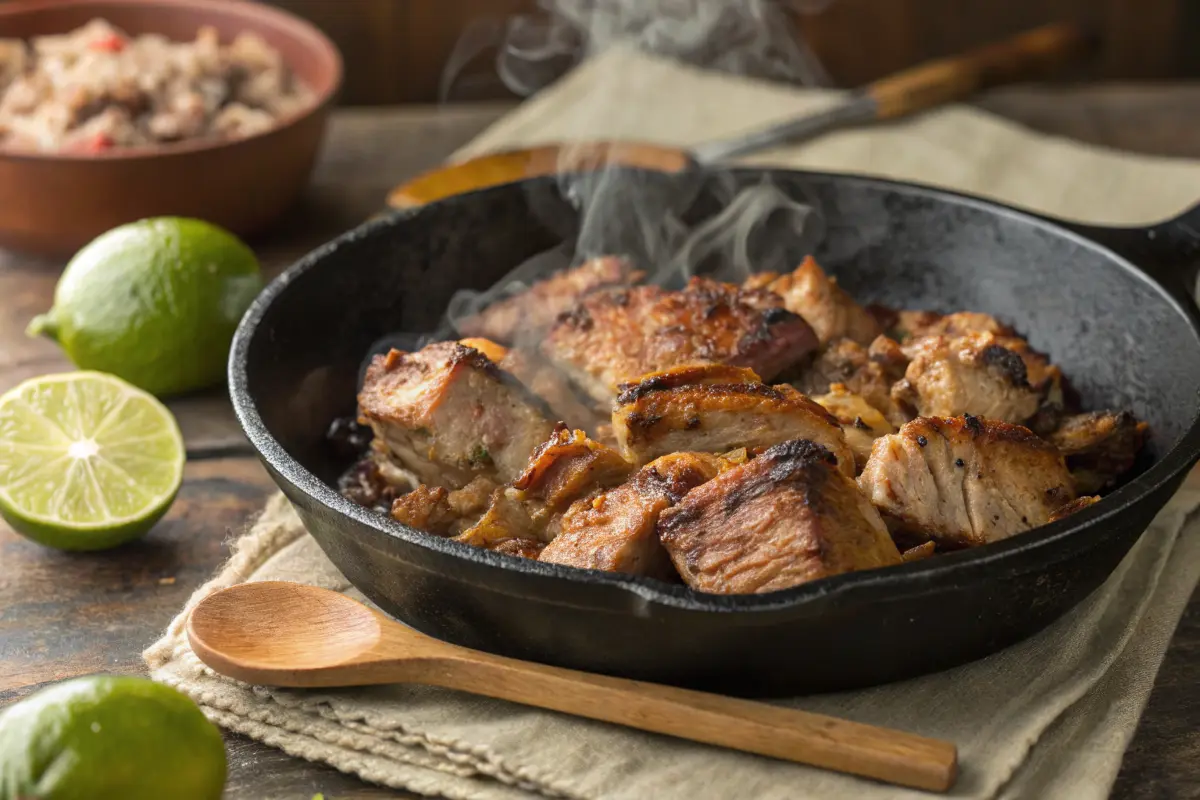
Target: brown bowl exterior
[(54, 204)]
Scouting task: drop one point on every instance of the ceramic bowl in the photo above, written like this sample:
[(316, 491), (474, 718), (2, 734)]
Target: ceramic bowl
[(54, 203)]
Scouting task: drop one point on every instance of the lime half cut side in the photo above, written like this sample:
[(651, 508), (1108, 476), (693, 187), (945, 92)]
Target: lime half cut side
[(87, 461)]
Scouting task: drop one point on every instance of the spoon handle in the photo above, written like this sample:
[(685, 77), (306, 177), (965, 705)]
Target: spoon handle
[(800, 736)]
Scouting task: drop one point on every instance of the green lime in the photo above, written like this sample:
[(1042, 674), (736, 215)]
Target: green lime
[(86, 460), (155, 302), (104, 737)]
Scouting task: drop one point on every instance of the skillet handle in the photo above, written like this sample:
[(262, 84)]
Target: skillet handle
[(1169, 251)]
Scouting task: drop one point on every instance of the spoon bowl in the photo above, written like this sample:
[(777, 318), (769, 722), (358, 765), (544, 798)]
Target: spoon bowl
[(305, 628)]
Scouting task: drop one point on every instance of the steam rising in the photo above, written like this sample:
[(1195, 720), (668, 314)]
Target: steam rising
[(645, 215), (742, 37)]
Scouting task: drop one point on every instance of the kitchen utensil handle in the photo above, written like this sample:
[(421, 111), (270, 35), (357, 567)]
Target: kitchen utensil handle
[(800, 736), (936, 82), (495, 169)]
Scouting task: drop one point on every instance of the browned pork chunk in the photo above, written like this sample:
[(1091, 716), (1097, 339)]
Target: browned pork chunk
[(906, 325), (869, 372), (614, 336), (566, 467), (448, 414), (784, 518), (714, 409), (526, 314), (832, 312), (971, 374), (544, 381), (435, 510), (965, 481), (1100, 447), (861, 422), (615, 530)]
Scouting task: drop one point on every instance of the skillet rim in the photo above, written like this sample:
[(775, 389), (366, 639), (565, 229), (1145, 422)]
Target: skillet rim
[(1019, 554)]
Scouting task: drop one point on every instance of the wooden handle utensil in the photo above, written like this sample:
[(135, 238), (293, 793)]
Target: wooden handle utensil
[(924, 86), (287, 634)]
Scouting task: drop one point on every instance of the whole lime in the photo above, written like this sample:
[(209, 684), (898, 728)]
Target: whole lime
[(155, 302), (102, 737)]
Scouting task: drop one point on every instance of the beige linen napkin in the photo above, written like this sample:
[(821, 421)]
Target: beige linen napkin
[(1049, 717)]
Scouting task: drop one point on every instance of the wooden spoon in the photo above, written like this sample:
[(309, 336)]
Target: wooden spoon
[(287, 634), (921, 87)]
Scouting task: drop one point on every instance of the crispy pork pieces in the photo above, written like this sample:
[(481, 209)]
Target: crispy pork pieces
[(1100, 447), (615, 336), (974, 373), (615, 530), (448, 414), (786, 517), (544, 381), (532, 311), (862, 423), (965, 481), (714, 409), (639, 432), (869, 372), (564, 468), (832, 313)]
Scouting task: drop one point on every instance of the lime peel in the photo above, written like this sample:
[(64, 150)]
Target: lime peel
[(43, 325)]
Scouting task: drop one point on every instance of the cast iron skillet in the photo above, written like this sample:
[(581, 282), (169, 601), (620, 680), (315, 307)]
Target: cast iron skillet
[(1108, 305)]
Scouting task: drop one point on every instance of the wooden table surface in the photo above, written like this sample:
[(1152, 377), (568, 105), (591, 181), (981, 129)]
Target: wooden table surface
[(63, 615)]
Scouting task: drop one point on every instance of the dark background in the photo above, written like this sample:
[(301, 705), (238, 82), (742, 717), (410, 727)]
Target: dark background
[(395, 50)]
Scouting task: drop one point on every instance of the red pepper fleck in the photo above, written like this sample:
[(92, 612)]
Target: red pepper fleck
[(109, 43), (96, 143)]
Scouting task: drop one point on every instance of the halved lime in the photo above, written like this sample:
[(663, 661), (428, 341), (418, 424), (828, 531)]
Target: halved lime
[(87, 461)]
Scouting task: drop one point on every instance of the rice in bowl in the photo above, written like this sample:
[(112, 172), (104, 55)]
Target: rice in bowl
[(97, 89)]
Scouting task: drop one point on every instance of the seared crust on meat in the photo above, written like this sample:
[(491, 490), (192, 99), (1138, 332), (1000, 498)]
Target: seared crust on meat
[(861, 422), (690, 375), (435, 510), (528, 313), (566, 467), (867, 372), (1078, 504), (786, 517), (615, 530), (1100, 447), (965, 481), (425, 508), (661, 415), (505, 527), (973, 374), (448, 414), (614, 336), (904, 325), (544, 381), (833, 314)]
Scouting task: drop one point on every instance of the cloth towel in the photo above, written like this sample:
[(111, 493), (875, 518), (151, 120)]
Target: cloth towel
[(1047, 718)]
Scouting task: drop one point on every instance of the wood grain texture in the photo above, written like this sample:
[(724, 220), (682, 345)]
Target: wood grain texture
[(63, 615), (277, 633)]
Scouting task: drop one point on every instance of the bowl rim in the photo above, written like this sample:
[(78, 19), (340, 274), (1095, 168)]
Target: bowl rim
[(1056, 541), (293, 25)]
